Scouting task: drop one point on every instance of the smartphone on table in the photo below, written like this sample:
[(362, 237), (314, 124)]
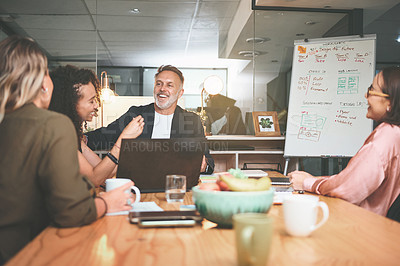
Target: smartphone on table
[(165, 218), (282, 181)]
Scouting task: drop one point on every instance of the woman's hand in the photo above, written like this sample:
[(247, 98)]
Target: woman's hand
[(297, 178), (117, 199), (203, 165), (134, 128)]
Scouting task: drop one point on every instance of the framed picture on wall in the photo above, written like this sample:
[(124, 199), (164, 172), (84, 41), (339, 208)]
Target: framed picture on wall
[(266, 124)]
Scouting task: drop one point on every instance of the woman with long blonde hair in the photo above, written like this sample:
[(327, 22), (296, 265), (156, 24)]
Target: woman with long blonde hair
[(40, 184)]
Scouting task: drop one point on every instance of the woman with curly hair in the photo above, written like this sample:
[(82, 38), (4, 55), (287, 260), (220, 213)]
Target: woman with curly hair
[(40, 184), (76, 94)]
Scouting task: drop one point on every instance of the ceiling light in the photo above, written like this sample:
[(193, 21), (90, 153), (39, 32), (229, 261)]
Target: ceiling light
[(310, 22), (398, 39), (249, 53), (6, 18), (257, 40), (135, 11)]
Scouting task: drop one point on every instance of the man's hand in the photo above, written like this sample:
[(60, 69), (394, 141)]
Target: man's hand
[(134, 128), (203, 164)]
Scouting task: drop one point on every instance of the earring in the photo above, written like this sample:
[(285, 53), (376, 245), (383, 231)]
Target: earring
[(45, 90), (387, 109)]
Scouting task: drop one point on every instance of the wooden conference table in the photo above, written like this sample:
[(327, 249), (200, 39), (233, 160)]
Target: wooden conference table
[(351, 236)]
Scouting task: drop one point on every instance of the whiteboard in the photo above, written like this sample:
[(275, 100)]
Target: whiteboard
[(327, 105)]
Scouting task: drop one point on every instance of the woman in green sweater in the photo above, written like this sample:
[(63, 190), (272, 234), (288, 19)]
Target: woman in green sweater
[(40, 183)]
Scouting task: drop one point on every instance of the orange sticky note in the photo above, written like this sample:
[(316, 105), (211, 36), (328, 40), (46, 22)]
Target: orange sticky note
[(302, 49)]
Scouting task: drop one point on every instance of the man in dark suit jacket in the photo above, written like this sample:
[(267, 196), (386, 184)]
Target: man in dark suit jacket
[(163, 119)]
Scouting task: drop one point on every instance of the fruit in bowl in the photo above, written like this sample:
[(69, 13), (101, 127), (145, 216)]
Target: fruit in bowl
[(244, 195), (220, 206)]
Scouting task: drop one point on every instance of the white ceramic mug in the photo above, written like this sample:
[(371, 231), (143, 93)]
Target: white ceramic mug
[(113, 183), (300, 213)]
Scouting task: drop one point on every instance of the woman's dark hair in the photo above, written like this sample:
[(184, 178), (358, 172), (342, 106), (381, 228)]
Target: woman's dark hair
[(67, 82), (391, 86)]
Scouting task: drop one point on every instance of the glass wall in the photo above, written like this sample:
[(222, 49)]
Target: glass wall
[(256, 46), (193, 85), (124, 81), (272, 40), (139, 81), (3, 35)]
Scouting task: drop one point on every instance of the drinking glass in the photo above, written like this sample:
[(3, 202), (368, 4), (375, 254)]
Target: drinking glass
[(175, 188), (253, 233)]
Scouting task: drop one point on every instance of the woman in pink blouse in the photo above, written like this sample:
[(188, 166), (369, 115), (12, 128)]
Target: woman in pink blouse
[(371, 180)]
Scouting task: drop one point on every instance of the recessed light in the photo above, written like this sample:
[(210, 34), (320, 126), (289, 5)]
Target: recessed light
[(398, 39), (257, 40), (134, 11), (6, 18), (310, 22), (249, 53)]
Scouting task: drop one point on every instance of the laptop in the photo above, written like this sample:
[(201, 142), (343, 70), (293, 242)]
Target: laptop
[(148, 161)]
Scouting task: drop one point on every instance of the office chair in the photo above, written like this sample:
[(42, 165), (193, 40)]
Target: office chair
[(394, 210)]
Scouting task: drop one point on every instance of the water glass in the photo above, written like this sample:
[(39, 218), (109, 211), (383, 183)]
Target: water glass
[(175, 188), (253, 232)]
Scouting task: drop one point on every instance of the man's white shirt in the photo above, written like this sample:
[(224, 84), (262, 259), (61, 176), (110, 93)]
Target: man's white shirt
[(162, 126)]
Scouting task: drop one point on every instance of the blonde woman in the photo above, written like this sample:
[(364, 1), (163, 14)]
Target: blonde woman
[(40, 184)]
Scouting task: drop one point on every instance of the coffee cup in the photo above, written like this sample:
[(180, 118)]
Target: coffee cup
[(253, 233), (113, 183), (300, 214)]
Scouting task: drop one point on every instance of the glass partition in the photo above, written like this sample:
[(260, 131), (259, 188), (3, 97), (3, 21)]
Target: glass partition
[(256, 50), (274, 35), (255, 44), (273, 42), (3, 35), (193, 85)]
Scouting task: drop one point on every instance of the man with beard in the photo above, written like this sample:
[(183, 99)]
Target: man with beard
[(163, 119)]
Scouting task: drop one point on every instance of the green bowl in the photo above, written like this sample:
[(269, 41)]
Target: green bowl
[(220, 206)]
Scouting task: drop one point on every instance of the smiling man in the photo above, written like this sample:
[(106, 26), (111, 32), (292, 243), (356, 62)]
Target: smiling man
[(168, 88), (163, 119)]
